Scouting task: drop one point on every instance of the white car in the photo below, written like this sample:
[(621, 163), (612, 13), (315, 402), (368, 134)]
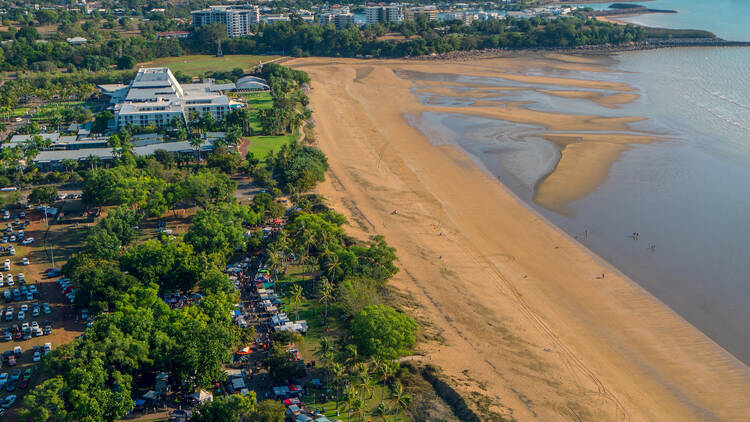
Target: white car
[(7, 265), (35, 312), (28, 241), (9, 279), (12, 238), (25, 261), (47, 347), (21, 315)]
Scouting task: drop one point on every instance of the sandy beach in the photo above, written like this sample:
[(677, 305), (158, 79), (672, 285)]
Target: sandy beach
[(522, 321)]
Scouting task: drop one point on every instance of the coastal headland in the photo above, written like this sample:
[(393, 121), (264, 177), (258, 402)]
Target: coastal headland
[(526, 323)]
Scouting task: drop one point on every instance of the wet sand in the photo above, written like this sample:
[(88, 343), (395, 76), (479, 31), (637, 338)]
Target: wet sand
[(526, 327)]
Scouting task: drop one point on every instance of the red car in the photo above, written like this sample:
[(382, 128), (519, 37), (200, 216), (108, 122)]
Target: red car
[(11, 360), (24, 383)]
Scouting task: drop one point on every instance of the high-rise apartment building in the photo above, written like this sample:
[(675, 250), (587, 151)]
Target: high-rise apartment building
[(375, 14), (238, 19)]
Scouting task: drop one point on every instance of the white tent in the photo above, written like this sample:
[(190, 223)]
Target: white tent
[(202, 396)]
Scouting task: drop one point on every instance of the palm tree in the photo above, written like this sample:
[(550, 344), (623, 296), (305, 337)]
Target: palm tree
[(273, 260), (69, 164), (326, 295), (297, 298), (365, 388), (381, 411), (337, 370), (325, 347), (333, 265), (402, 399), (387, 369), (195, 142)]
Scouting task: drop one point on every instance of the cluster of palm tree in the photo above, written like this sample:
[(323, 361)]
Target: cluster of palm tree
[(355, 381)]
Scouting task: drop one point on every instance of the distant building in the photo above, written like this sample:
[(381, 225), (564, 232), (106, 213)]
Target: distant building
[(429, 13), (250, 84), (466, 17), (155, 97), (386, 14), (339, 20), (238, 19), (76, 41), (52, 160), (172, 34)]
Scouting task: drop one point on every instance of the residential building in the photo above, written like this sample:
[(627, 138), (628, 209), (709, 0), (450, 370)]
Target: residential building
[(339, 20), (238, 19), (429, 13), (385, 14)]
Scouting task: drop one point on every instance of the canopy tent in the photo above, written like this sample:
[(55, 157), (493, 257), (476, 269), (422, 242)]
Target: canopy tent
[(151, 395), (202, 396)]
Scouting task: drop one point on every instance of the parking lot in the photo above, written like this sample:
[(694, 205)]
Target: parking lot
[(21, 311)]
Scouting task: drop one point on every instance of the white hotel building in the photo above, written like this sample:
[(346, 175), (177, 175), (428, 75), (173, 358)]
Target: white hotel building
[(155, 97)]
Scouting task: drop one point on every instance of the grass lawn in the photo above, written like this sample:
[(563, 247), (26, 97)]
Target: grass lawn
[(46, 111), (198, 64), (260, 146), (312, 399)]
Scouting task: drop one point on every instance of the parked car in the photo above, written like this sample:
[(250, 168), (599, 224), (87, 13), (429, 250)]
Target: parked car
[(37, 357), (21, 315), (8, 402), (84, 313), (11, 360), (28, 241), (18, 351), (25, 261), (27, 373), (3, 379), (6, 265), (47, 347)]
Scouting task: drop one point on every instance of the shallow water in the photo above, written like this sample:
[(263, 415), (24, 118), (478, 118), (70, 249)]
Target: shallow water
[(687, 195), (727, 19)]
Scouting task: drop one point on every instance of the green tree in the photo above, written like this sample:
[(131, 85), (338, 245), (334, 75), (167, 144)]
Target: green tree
[(297, 297), (43, 195), (233, 408), (326, 296), (271, 411), (126, 62), (171, 264), (101, 121), (45, 402), (381, 331)]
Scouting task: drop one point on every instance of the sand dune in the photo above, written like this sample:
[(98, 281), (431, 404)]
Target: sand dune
[(530, 330)]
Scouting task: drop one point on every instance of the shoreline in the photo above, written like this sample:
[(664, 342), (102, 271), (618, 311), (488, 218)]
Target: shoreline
[(522, 319), (602, 50)]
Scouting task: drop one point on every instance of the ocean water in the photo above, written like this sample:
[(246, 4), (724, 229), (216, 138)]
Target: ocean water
[(688, 195), (728, 19)]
